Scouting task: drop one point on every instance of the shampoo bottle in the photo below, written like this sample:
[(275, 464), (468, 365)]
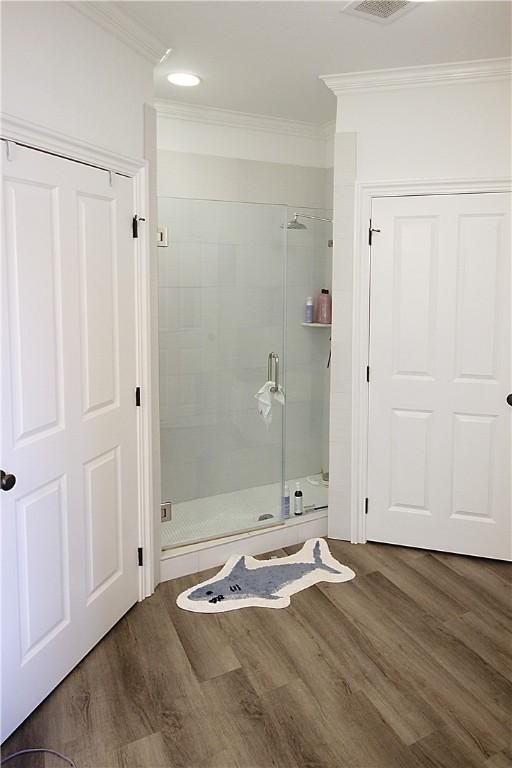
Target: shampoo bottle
[(323, 309), (298, 506), (285, 502)]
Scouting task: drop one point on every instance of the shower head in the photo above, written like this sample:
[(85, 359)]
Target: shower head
[(294, 224)]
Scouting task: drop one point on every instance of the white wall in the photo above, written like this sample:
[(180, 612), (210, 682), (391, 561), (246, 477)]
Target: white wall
[(63, 71), (445, 131), (150, 153), (439, 131), (341, 365)]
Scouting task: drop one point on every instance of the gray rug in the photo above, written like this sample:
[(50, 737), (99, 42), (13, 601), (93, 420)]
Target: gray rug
[(245, 581)]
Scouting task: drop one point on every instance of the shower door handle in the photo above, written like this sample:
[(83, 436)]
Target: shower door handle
[(273, 371)]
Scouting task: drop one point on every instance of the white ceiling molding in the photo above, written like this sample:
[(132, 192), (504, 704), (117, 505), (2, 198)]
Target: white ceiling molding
[(41, 137), (414, 77), (114, 20), (179, 110)]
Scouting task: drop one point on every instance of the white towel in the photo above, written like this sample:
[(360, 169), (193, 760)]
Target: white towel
[(265, 398)]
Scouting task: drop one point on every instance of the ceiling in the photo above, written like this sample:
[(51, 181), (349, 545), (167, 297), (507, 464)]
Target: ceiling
[(265, 57)]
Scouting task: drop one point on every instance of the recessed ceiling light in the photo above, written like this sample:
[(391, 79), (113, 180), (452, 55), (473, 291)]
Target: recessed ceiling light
[(183, 78)]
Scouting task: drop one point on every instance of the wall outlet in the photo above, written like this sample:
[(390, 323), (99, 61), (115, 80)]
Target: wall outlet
[(166, 511)]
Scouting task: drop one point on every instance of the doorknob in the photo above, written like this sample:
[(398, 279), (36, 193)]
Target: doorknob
[(6, 481), (509, 399)]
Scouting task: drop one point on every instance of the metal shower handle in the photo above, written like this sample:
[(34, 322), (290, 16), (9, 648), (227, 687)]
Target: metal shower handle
[(273, 363)]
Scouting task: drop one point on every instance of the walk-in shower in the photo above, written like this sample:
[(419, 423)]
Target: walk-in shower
[(233, 282)]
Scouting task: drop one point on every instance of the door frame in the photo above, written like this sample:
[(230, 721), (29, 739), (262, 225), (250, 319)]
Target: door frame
[(365, 192), (44, 139)]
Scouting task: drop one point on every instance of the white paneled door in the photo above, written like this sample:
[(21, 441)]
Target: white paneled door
[(439, 458), (70, 523)]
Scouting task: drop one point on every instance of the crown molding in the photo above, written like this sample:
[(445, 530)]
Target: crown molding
[(416, 77), (179, 110), (27, 133), (116, 21)]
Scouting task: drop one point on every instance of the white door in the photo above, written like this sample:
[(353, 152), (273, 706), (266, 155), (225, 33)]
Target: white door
[(68, 430), (439, 458)]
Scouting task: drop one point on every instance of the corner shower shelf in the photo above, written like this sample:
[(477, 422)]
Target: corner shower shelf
[(316, 325)]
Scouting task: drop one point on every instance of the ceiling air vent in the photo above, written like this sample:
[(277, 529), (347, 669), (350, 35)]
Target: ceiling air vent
[(381, 11)]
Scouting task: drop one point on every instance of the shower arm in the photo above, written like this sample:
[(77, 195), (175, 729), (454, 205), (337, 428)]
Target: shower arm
[(305, 216)]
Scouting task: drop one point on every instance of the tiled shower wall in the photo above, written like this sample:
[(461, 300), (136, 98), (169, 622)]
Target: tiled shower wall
[(221, 313), (309, 269)]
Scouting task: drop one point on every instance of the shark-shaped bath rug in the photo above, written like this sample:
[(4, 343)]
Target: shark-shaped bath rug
[(245, 581)]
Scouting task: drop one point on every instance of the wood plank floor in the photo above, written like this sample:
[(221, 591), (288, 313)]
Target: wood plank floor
[(407, 666)]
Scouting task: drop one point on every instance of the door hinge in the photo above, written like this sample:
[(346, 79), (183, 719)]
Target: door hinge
[(10, 148), (135, 225), (162, 237), (140, 558), (371, 230), (366, 506), (367, 373), (166, 511), (137, 395)]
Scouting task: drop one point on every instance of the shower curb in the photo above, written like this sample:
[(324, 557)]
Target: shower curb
[(182, 561)]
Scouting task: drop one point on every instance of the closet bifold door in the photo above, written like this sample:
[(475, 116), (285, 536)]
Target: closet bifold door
[(69, 434)]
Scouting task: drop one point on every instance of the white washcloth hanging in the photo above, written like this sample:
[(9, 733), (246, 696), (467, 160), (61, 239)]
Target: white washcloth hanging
[(265, 398)]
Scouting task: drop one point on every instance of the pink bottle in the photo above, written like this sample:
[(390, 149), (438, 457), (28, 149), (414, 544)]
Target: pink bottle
[(323, 308)]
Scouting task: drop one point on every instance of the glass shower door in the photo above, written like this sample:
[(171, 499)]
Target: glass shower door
[(221, 302)]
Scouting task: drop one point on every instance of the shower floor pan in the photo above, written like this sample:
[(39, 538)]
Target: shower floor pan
[(217, 516)]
